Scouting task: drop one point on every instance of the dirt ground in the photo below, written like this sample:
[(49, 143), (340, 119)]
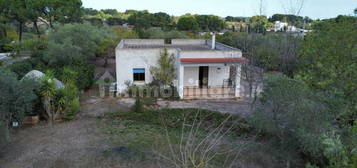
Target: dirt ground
[(80, 143), (77, 143)]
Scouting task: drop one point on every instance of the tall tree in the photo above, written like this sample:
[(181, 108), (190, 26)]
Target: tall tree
[(90, 11), (260, 24), (140, 19), (328, 60), (112, 12), (162, 20), (16, 98), (210, 22), (18, 11), (188, 23), (35, 10), (63, 11)]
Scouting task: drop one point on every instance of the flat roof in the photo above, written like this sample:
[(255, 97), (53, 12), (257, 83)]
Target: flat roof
[(182, 47), (182, 44)]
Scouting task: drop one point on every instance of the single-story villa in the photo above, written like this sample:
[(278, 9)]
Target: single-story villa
[(204, 68)]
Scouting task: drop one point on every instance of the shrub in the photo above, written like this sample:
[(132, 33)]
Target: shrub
[(69, 96), (334, 150), (21, 68), (138, 105), (294, 116), (16, 99), (165, 72), (115, 21), (73, 107)]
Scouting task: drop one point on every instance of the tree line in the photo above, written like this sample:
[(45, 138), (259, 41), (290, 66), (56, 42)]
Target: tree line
[(145, 20), (19, 12)]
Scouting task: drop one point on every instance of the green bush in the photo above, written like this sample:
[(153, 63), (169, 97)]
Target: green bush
[(71, 110), (16, 99), (294, 117), (21, 68), (138, 105), (71, 101), (334, 150)]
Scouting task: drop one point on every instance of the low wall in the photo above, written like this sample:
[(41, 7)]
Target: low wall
[(144, 41), (188, 42)]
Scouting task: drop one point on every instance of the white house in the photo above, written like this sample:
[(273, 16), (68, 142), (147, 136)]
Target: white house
[(205, 68), (280, 26)]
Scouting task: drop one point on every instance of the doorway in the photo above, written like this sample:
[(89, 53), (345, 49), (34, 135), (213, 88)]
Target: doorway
[(203, 76)]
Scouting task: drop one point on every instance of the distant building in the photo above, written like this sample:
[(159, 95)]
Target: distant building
[(4, 56), (280, 26)]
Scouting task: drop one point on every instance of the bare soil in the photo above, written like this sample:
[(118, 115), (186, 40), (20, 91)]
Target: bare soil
[(77, 143), (81, 143)]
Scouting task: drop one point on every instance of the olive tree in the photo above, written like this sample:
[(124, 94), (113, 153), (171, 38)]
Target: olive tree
[(165, 73), (74, 42), (16, 99)]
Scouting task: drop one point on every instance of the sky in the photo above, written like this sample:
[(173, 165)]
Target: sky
[(316, 9)]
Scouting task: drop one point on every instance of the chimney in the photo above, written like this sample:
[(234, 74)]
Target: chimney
[(213, 41)]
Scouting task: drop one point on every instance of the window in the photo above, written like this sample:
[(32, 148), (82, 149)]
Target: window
[(168, 41), (139, 74)]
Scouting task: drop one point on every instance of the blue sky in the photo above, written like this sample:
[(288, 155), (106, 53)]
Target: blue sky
[(312, 8)]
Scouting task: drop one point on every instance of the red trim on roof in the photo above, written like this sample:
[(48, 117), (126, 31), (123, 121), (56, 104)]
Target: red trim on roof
[(213, 60)]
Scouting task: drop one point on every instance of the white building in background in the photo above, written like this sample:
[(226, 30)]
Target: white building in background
[(4, 56), (204, 68), (280, 26)]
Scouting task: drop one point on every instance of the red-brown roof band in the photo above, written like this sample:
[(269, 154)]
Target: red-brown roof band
[(214, 60)]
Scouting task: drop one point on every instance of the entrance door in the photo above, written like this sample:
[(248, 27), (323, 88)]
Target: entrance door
[(203, 76)]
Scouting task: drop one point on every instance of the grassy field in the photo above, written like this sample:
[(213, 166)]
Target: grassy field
[(179, 138)]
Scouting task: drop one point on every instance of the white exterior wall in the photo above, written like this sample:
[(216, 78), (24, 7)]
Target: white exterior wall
[(238, 80), (217, 74), (191, 76), (128, 59)]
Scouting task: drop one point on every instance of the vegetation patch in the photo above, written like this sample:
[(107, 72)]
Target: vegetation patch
[(157, 136)]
